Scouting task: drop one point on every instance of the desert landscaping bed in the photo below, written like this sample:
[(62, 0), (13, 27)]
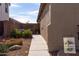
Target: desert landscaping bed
[(23, 51)]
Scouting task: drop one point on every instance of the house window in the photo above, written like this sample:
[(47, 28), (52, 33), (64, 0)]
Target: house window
[(6, 7), (0, 4)]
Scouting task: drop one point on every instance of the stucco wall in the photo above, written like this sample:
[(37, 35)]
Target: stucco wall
[(3, 15), (65, 18), (6, 28), (44, 23)]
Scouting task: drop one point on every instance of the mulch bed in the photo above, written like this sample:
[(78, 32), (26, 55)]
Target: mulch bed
[(23, 51)]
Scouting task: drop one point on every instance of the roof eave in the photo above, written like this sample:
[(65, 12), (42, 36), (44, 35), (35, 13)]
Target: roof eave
[(42, 6)]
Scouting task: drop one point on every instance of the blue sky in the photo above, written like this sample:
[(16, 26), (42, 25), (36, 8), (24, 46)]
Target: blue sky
[(24, 12)]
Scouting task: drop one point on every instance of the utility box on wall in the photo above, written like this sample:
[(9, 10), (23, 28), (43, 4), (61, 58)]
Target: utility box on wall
[(69, 45)]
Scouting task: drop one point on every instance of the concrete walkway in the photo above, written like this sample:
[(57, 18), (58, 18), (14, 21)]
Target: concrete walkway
[(38, 47)]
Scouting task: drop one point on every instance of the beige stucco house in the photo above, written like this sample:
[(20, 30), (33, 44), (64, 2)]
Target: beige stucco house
[(4, 18), (58, 20)]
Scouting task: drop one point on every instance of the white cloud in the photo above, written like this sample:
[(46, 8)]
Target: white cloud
[(35, 12), (14, 5), (23, 16), (23, 19)]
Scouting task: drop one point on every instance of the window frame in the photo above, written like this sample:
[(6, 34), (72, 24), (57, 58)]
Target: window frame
[(6, 8), (0, 4)]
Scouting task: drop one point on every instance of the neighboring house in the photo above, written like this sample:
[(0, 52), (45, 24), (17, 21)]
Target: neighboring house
[(59, 20), (4, 18), (12, 24), (34, 27)]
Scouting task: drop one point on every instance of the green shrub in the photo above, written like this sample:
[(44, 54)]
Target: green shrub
[(13, 33), (3, 48), (27, 33), (16, 33), (24, 34)]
